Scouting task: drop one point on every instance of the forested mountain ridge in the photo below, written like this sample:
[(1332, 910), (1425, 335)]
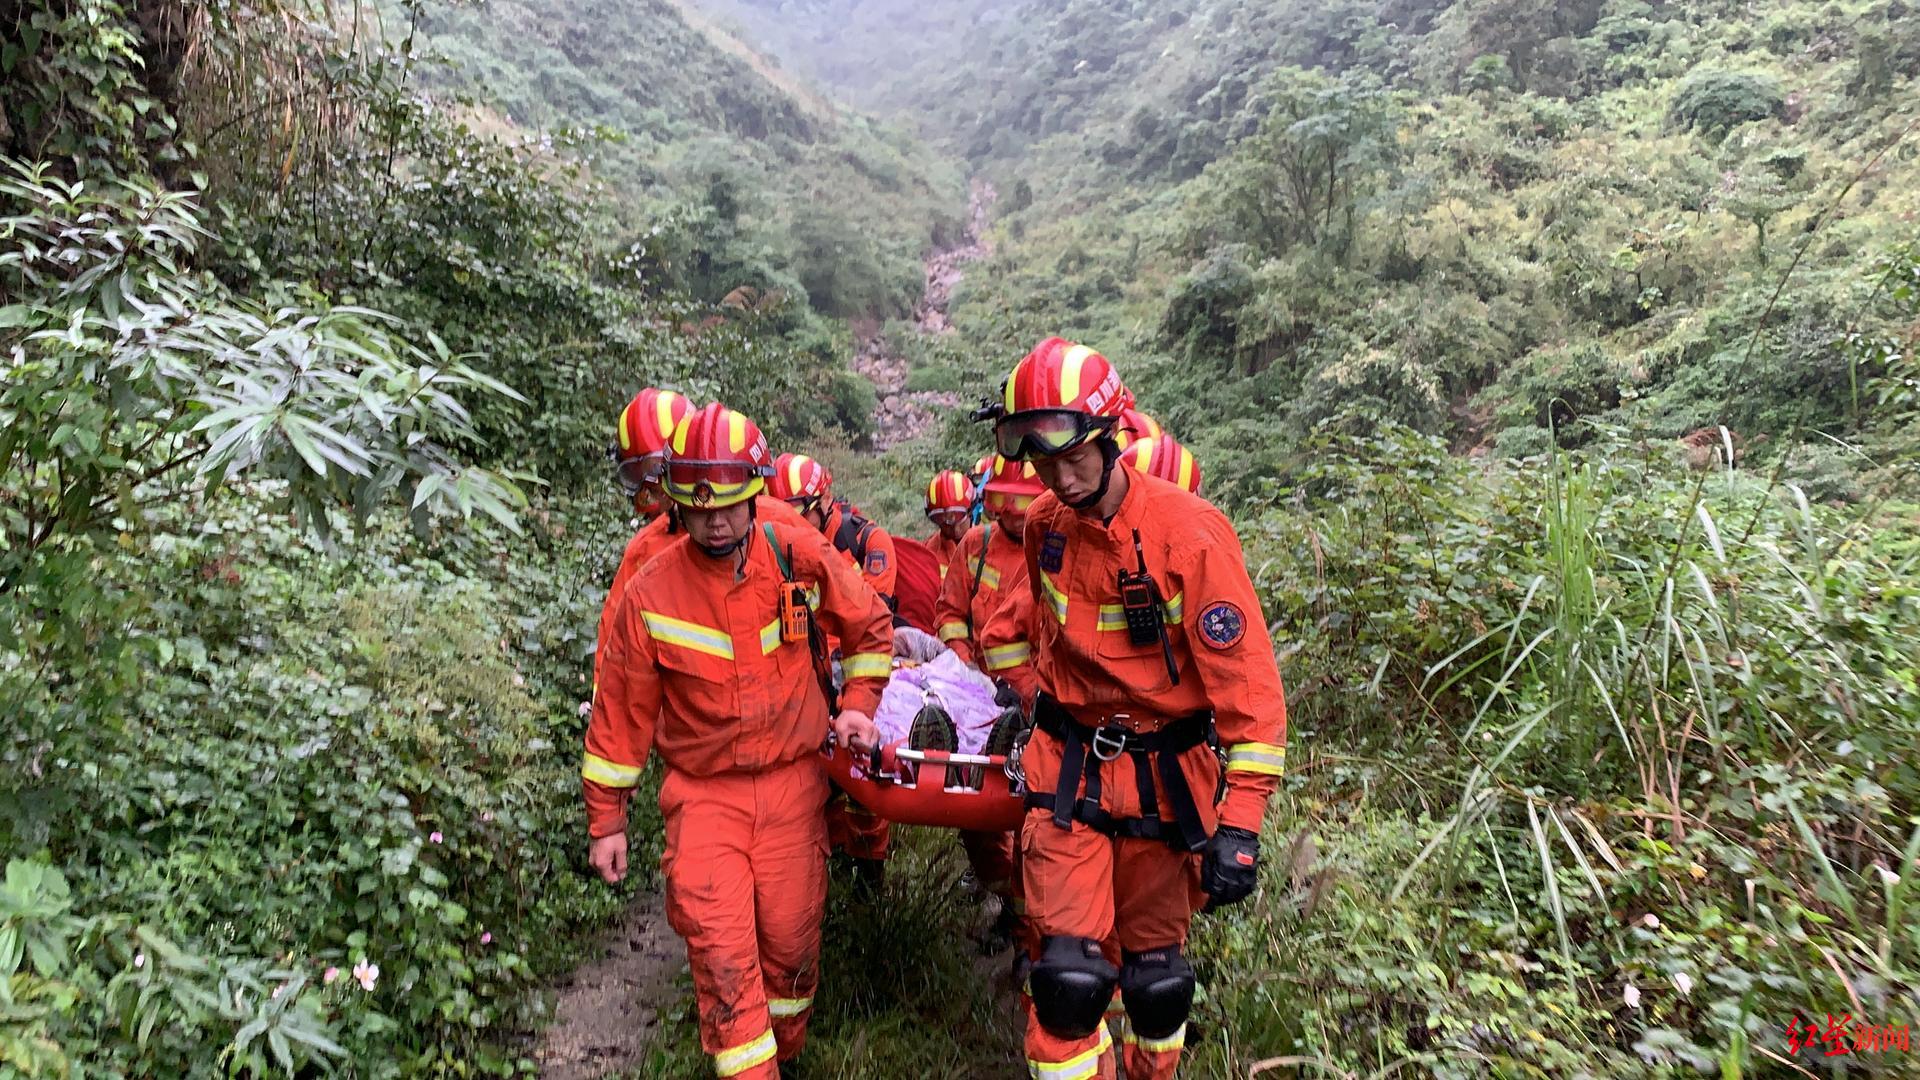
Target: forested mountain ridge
[(314, 325)]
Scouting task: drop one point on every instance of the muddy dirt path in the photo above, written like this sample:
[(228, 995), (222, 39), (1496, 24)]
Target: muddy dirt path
[(607, 1011), (902, 415)]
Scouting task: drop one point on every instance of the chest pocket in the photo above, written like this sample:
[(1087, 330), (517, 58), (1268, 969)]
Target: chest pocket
[(1142, 665), (698, 657)]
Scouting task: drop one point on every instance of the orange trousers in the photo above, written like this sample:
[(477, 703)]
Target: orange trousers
[(991, 856), (854, 829), (1127, 894), (746, 875)]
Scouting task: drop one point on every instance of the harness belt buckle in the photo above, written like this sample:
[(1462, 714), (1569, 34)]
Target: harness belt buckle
[(1110, 741)]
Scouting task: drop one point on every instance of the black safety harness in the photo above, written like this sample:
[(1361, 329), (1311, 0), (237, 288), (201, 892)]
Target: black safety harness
[(1084, 749)]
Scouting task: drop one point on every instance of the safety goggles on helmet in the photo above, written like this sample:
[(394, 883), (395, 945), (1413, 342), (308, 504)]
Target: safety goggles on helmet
[(946, 514), (1001, 502), (715, 483), (636, 473), (1024, 436)]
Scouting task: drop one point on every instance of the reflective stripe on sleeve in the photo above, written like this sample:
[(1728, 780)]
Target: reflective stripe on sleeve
[(953, 631), (770, 638), (1257, 757), (1176, 608), (608, 773), (1055, 597), (1081, 1066), (688, 635), (1002, 657), (782, 1008), (867, 665), (738, 1059)]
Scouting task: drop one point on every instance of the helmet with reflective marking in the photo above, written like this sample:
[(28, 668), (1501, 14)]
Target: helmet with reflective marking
[(950, 492), (1166, 459), (1135, 426), (648, 422), (799, 478), (718, 458), (1058, 396)]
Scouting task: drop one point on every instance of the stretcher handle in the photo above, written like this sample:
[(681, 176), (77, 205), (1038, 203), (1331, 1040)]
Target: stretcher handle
[(941, 757)]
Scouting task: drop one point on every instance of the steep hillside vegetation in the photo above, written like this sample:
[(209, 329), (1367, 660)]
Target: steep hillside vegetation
[(736, 174)]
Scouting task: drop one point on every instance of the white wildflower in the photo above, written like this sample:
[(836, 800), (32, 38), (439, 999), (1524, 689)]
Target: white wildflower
[(367, 974), (1683, 982), (1631, 995)]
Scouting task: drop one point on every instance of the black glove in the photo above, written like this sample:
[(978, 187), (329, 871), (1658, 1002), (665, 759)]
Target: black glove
[(1004, 695), (1231, 866)]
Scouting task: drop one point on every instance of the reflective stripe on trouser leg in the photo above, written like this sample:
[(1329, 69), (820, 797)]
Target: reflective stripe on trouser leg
[(1090, 1058), (738, 1060), (790, 886), (1151, 1059)]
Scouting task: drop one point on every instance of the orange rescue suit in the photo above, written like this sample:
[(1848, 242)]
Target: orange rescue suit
[(989, 566), (696, 671), (1137, 893), (655, 537), (944, 551), (851, 827)]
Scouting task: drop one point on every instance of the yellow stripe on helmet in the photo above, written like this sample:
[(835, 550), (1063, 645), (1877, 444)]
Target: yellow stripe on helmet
[(626, 440), (663, 410), (736, 432), (1071, 364)]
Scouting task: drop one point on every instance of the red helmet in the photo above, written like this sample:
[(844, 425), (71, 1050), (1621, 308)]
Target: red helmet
[(1058, 396), (982, 467), (719, 458), (799, 478), (1166, 459), (1013, 478), (1135, 426), (950, 492), (648, 422), (646, 426)]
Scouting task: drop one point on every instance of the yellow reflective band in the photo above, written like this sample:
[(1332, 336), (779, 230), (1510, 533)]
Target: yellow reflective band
[(1257, 757), (990, 578), (688, 635), (1080, 1066), (1143, 457), (770, 638), (739, 1059), (786, 1007), (1055, 597), (736, 432), (663, 411), (813, 597), (1072, 362), (1175, 1041), (867, 665), (1002, 657), (626, 443), (1186, 469), (608, 773), (953, 631), (1114, 617)]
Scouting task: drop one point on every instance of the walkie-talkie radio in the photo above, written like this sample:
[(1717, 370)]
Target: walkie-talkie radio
[(793, 613), (1145, 613)]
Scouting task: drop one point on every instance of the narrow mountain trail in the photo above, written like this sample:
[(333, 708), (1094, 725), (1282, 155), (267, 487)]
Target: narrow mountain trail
[(902, 415), (607, 1012)]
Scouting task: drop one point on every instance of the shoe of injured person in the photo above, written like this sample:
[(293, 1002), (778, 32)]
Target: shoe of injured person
[(933, 729)]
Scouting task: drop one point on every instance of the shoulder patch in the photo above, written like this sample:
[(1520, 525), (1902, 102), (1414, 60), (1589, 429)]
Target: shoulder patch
[(1222, 625), (876, 562)]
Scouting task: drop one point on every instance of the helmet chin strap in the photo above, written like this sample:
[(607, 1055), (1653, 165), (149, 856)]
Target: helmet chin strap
[(1109, 455)]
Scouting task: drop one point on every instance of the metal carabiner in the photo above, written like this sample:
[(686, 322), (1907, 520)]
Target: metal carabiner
[(1110, 742), (1012, 767)]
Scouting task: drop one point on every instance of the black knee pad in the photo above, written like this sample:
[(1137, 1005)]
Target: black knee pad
[(1072, 984), (1157, 988)]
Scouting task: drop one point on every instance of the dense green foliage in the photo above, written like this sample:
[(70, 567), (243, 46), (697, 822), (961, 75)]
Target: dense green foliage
[(314, 318)]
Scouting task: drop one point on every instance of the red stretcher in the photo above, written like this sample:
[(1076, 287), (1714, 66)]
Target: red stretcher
[(930, 787)]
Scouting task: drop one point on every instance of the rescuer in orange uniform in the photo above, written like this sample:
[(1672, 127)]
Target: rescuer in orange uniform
[(806, 486), (1165, 458), (1146, 634), (709, 664), (949, 507), (639, 462), (990, 564)]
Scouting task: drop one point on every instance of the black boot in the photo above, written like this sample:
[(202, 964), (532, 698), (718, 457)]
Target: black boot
[(1001, 934)]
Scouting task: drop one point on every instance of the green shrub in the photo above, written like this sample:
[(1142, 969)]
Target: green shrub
[(1715, 102)]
